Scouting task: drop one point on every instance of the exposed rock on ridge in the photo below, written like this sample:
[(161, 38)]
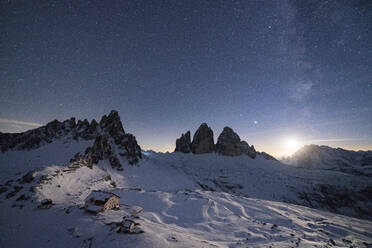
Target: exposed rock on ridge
[(113, 138), (267, 156), (46, 134), (108, 134), (102, 150), (229, 144)]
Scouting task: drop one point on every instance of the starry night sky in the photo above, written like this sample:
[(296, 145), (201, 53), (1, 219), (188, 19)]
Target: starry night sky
[(271, 70)]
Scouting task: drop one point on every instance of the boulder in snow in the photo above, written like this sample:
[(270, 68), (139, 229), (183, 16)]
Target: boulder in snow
[(45, 204)]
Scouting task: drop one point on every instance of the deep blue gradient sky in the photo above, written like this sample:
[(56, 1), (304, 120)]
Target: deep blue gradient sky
[(271, 70)]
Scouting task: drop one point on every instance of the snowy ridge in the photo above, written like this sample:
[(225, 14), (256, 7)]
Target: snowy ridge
[(327, 158), (108, 135), (54, 130)]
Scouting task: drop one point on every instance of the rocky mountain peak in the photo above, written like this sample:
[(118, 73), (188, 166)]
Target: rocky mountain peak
[(228, 135), (203, 141), (102, 149), (229, 144), (325, 157), (106, 134), (112, 124), (112, 135), (183, 144)]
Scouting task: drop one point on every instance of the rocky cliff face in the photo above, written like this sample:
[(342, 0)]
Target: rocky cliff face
[(203, 141), (125, 143), (46, 134), (108, 135), (248, 150), (183, 144), (229, 144)]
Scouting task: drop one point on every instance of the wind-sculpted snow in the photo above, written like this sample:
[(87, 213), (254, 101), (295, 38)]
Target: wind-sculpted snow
[(188, 218)]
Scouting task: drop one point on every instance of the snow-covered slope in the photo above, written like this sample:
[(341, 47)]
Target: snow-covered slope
[(59, 152), (177, 211), (327, 158), (189, 200)]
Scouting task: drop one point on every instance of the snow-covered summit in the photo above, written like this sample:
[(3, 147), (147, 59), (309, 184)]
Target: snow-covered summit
[(328, 158)]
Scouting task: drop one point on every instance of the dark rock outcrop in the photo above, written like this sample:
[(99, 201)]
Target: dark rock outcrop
[(112, 124), (203, 141), (29, 177), (183, 144), (102, 150), (267, 156), (248, 150), (113, 135), (53, 130), (128, 147), (88, 130), (229, 144)]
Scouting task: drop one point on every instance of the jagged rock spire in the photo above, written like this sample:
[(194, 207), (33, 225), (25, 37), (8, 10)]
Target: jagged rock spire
[(183, 144), (109, 132), (112, 124), (229, 144), (112, 134), (203, 141), (102, 150)]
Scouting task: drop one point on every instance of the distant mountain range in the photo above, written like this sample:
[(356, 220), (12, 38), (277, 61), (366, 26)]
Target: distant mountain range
[(109, 133), (327, 158)]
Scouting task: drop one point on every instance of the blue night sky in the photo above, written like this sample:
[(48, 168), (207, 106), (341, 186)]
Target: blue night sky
[(280, 73)]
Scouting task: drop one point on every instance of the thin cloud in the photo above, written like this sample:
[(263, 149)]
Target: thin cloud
[(22, 123), (333, 140)]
